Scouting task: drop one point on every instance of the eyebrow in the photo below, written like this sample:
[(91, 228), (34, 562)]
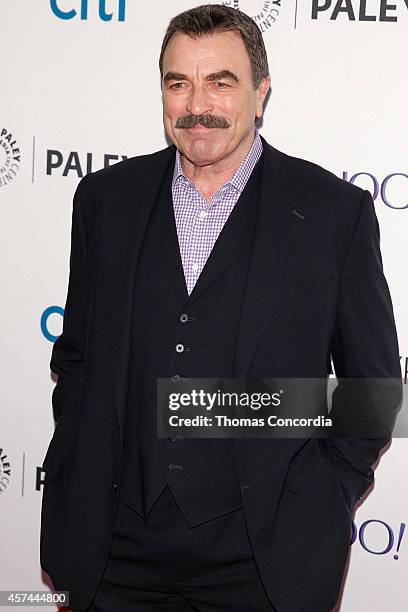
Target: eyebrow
[(222, 74), (214, 76), (174, 76)]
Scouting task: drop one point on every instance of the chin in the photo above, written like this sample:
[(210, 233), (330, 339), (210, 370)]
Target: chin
[(207, 153)]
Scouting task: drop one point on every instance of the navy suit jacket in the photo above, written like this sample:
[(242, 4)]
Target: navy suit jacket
[(316, 292)]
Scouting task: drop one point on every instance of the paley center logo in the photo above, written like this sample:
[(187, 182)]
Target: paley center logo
[(10, 157), (105, 10), (265, 13), (75, 163), (5, 470), (358, 10)]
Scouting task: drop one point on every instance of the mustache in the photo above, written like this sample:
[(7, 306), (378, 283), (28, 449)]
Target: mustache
[(206, 120)]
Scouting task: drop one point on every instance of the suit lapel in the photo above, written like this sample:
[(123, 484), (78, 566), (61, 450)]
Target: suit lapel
[(279, 235), (126, 214), (164, 235)]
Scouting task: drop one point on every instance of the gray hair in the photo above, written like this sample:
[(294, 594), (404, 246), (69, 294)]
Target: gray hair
[(211, 18)]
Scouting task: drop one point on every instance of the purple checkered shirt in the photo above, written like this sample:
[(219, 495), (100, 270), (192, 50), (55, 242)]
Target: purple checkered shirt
[(199, 223)]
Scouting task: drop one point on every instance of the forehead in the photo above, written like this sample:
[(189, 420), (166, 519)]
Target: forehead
[(213, 52)]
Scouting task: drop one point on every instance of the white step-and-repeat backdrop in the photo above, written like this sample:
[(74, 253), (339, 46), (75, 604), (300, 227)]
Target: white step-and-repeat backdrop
[(79, 91)]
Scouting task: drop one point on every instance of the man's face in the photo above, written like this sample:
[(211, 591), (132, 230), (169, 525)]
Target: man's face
[(209, 77)]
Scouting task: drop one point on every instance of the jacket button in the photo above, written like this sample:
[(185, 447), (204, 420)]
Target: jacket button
[(174, 466), (179, 348), (172, 437), (175, 377), (184, 317)]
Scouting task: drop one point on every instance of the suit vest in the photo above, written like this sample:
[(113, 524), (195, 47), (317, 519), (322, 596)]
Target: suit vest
[(204, 326)]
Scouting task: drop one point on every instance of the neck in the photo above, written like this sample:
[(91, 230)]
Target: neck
[(208, 179)]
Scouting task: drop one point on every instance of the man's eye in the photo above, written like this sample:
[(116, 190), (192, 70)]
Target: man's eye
[(221, 85), (176, 86)]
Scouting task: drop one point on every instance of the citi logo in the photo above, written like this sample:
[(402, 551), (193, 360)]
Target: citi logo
[(71, 9), (357, 10)]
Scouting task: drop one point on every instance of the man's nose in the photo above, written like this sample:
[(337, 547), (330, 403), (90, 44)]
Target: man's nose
[(199, 101)]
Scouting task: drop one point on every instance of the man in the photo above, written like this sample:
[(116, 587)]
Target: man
[(218, 256)]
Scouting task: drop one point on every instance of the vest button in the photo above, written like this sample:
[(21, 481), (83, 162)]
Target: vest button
[(115, 486), (172, 437), (175, 466), (179, 348), (175, 377), (183, 317)]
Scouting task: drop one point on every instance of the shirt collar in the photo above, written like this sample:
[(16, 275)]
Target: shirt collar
[(242, 174)]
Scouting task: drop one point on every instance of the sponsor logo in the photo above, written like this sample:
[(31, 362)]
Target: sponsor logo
[(265, 13), (48, 312), (85, 9), (373, 530), (5, 470), (76, 163), (384, 188), (39, 478), (10, 157), (357, 10), (404, 367)]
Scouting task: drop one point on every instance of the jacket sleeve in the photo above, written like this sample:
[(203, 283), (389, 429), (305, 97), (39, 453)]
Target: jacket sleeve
[(68, 354), (365, 349)]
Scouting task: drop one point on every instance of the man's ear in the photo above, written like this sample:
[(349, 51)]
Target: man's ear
[(261, 94)]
